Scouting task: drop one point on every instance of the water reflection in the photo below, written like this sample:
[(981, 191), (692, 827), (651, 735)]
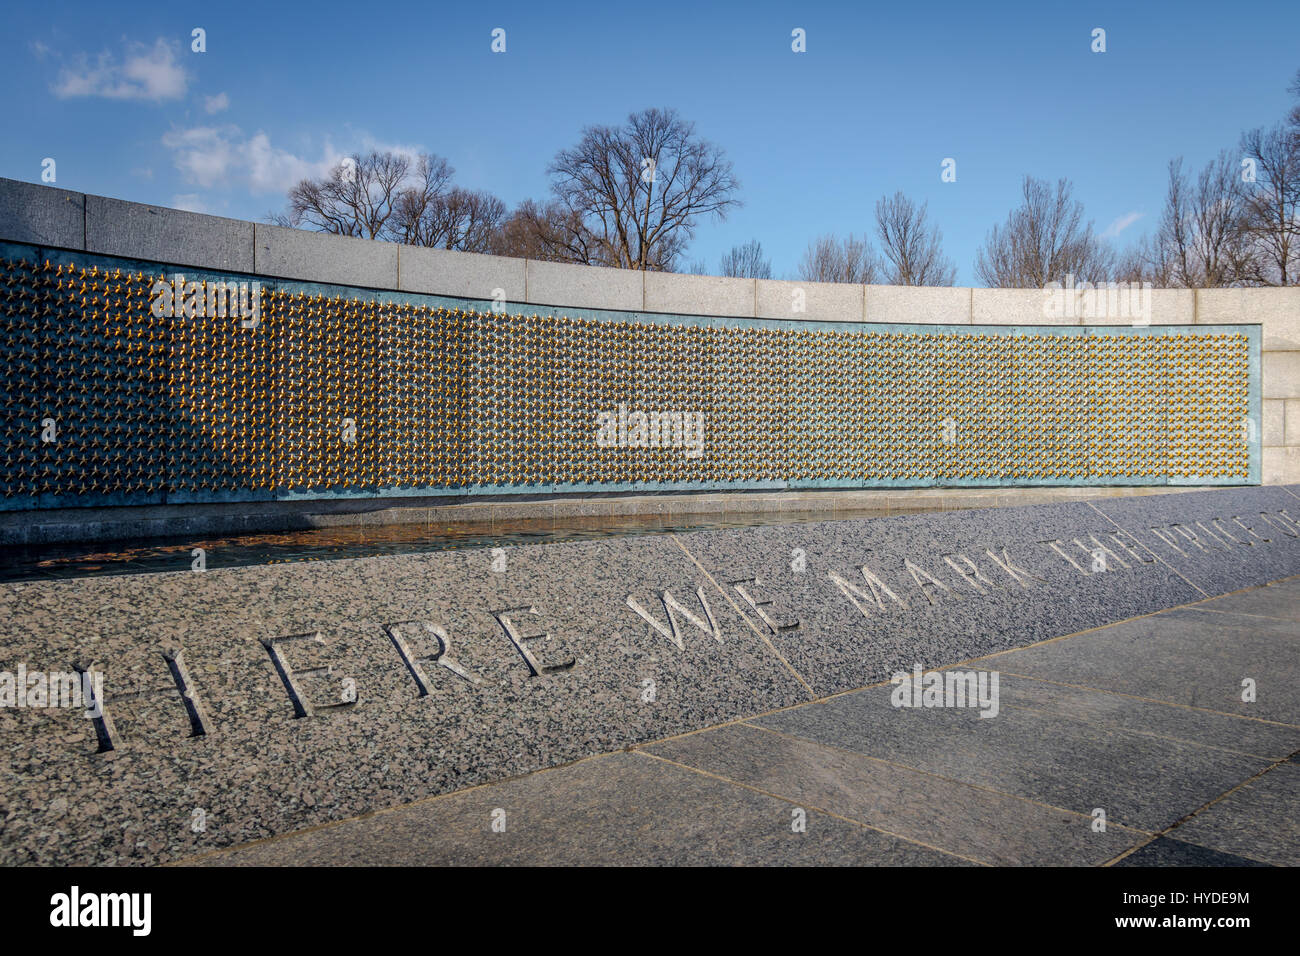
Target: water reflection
[(150, 555)]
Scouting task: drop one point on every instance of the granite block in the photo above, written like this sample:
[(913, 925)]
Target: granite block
[(624, 809), (158, 234), (1280, 466), (449, 272), (971, 822), (1274, 425), (1018, 307), (1140, 781), (1280, 599), (321, 257), (1281, 374), (1190, 658), (1277, 309), (42, 215), (809, 301), (1165, 852), (1256, 738), (698, 295), (918, 304), (1260, 821), (572, 286)]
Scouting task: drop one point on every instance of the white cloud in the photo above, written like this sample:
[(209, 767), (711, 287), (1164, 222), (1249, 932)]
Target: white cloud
[(216, 104), (205, 154), (222, 156), (147, 73), (190, 202), (276, 170), (1119, 225), (410, 153)]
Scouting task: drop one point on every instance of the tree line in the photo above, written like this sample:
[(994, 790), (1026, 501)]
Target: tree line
[(632, 196)]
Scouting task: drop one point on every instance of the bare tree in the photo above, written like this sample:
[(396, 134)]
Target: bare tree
[(1271, 204), (388, 195), (425, 187), (913, 245), (634, 194), (1294, 90), (746, 262), (356, 197), (462, 219), (1147, 261), (829, 259), (1043, 240), (546, 231), (1201, 240)]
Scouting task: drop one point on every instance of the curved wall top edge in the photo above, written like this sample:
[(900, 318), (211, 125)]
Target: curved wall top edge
[(50, 217)]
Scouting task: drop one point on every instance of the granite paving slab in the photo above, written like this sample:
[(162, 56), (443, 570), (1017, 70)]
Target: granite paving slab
[(622, 809), (1261, 820), (1280, 599), (1259, 738), (976, 823), (1187, 657), (1139, 780), (1164, 851), (241, 703)]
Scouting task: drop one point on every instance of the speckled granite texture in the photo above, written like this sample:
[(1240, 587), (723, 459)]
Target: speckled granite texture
[(468, 693)]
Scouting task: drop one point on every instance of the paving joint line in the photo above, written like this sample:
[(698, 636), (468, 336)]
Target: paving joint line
[(794, 738), (815, 809), (1201, 809), (1265, 617), (1111, 728), (1154, 700), (744, 617), (1148, 548)]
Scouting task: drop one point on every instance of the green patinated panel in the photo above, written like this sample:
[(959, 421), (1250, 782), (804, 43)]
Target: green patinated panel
[(335, 391)]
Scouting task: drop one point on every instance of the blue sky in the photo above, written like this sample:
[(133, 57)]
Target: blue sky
[(884, 93)]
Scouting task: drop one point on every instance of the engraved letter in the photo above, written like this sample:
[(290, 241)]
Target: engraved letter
[(401, 631), (708, 625)]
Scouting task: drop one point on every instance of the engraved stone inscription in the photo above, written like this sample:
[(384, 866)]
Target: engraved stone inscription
[(541, 651), (106, 731), (312, 688), (706, 624), (403, 633)]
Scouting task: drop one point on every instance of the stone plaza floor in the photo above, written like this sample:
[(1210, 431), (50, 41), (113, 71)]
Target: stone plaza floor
[(1106, 721)]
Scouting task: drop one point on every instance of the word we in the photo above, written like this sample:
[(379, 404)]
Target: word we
[(217, 300), (621, 428), (55, 689), (946, 689)]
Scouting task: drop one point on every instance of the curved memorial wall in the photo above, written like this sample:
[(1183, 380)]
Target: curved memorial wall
[(134, 382)]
